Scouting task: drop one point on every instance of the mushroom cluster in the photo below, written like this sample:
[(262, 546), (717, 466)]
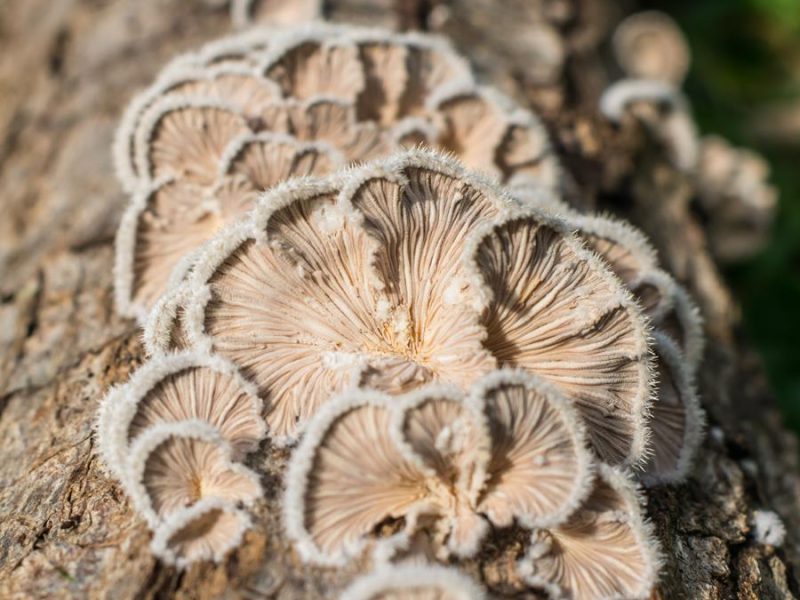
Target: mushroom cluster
[(337, 239), (730, 184), (242, 114)]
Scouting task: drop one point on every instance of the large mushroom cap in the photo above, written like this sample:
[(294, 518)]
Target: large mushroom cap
[(512, 451), (413, 270), (207, 530), (180, 387), (605, 551), (414, 582), (198, 146)]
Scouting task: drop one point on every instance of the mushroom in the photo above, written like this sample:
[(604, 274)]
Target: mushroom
[(274, 12), (174, 465), (206, 530), (605, 550), (650, 45), (683, 324), (177, 388), (410, 581), (676, 419), (487, 283), (513, 450), (663, 110), (734, 194), (347, 94)]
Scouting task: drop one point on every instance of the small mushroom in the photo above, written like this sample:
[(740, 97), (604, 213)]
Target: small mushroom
[(175, 388), (383, 306), (605, 550), (683, 324), (409, 581), (735, 195), (274, 12), (206, 530), (650, 45), (676, 419), (664, 112), (174, 465), (511, 451)]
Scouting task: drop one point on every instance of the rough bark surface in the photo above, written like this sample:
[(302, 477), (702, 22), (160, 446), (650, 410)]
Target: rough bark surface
[(68, 68)]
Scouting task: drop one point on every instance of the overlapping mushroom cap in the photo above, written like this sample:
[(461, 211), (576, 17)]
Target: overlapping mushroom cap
[(414, 582), (413, 270), (606, 550), (246, 113), (174, 436), (513, 450)]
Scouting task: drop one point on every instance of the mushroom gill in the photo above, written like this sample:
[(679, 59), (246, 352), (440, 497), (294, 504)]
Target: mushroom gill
[(409, 271), (605, 550), (410, 581), (206, 530), (180, 387), (174, 465), (511, 451)]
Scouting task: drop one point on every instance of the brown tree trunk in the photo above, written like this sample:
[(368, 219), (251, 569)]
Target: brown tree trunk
[(68, 68)]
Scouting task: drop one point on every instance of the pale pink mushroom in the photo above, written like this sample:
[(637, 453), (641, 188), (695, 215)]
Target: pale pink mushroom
[(411, 581), (177, 388), (410, 271), (650, 45), (512, 451), (606, 550), (206, 530), (174, 465)]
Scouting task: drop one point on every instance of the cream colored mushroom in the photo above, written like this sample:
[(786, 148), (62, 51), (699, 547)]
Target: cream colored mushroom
[(411, 581), (387, 307), (177, 388), (174, 465), (206, 530), (512, 451), (676, 419), (650, 45), (274, 12), (606, 550)]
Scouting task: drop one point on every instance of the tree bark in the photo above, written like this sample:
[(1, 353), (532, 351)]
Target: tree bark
[(69, 67)]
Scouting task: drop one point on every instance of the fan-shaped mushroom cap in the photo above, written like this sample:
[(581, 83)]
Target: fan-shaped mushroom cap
[(414, 582), (683, 324), (206, 530), (650, 45), (676, 419), (174, 465), (167, 221), (514, 450), (177, 388), (413, 270), (605, 550), (274, 12)]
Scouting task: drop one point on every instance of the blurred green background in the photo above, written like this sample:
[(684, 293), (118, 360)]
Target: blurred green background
[(745, 85)]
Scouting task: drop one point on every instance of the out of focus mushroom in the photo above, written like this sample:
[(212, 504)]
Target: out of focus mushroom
[(206, 530), (512, 451), (664, 112), (735, 196), (174, 465), (650, 45), (489, 283), (606, 550), (411, 581), (274, 12), (177, 388)]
